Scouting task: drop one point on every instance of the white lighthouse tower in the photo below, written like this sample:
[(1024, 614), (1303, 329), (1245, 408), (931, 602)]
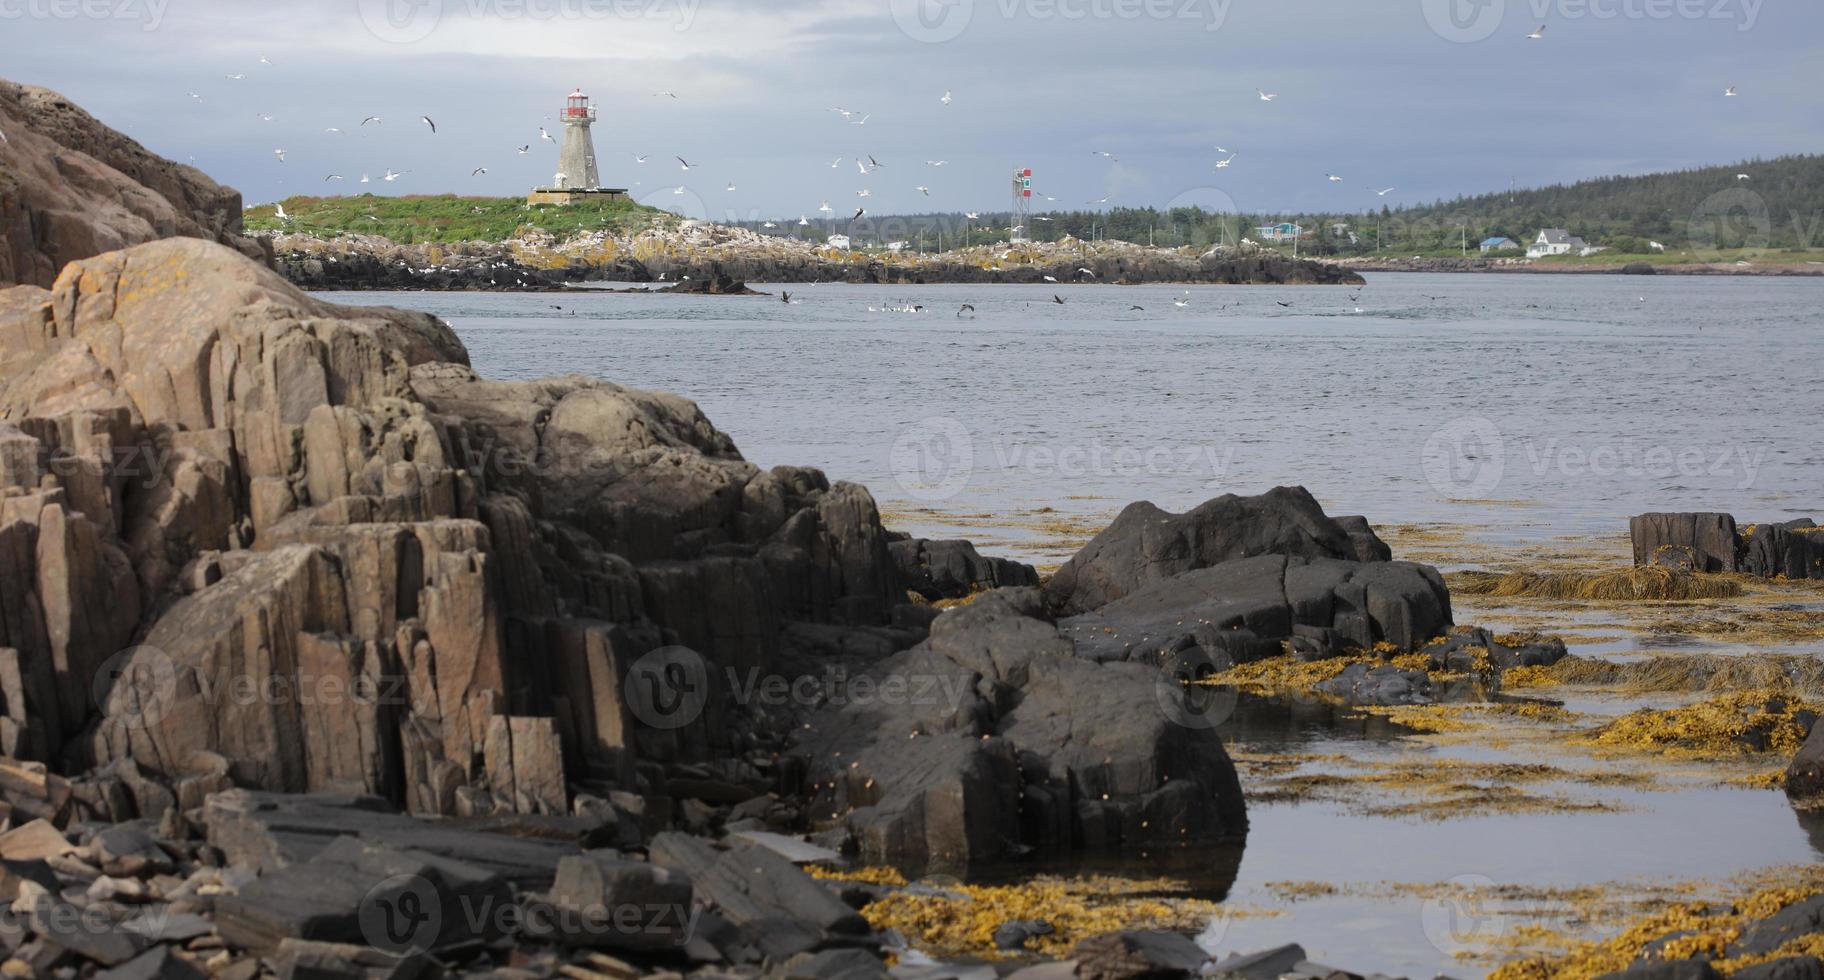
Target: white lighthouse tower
[(576, 164), (577, 176)]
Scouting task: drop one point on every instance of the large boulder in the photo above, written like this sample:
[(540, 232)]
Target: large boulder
[(1805, 776), (71, 188), (1708, 538), (994, 736), (1242, 610), (1146, 545), (1715, 543), (954, 569)]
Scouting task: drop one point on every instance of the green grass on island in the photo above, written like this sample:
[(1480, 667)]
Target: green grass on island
[(445, 218)]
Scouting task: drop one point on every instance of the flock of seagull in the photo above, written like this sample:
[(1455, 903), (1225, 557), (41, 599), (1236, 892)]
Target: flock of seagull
[(866, 165)]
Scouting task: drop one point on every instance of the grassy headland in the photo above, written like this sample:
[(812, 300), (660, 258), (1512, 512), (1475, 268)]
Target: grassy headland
[(447, 218)]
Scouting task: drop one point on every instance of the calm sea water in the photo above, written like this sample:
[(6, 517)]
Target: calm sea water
[(1527, 407), (1533, 405)]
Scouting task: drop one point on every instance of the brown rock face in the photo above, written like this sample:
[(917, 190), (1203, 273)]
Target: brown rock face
[(237, 523), (71, 188)]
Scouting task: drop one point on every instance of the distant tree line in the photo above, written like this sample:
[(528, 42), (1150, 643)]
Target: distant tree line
[(1780, 206)]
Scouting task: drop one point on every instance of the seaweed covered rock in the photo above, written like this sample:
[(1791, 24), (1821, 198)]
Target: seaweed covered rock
[(1805, 776), (1714, 543)]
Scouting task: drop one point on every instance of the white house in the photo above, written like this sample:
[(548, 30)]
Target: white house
[(837, 241), (1556, 241), (1285, 231)]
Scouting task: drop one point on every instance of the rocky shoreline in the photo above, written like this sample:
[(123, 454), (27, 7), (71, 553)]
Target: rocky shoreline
[(1530, 267), (697, 252), (322, 655)]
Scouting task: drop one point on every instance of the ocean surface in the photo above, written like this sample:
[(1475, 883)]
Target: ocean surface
[(1525, 405)]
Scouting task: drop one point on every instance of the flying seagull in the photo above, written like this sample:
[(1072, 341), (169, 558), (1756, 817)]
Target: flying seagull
[(280, 154), (392, 176), (946, 99), (1266, 96), (1224, 164), (1743, 177), (1386, 192), (825, 207), (641, 159), (965, 309), (525, 149), (370, 119), (236, 78), (279, 212), (544, 135), (478, 171), (428, 122), (1055, 298), (1332, 178), (858, 213), (1729, 92), (332, 177), (664, 95), (680, 190), (333, 129), (731, 185), (922, 189), (972, 215), (264, 61), (683, 164), (1538, 35), (1104, 153)]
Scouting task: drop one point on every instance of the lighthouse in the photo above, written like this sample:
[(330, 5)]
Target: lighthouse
[(577, 176), (576, 164)]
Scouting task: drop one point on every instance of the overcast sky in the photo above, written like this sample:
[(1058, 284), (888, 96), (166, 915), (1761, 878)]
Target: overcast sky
[(1432, 97)]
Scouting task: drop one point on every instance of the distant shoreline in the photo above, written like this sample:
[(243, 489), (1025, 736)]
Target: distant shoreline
[(1526, 267)]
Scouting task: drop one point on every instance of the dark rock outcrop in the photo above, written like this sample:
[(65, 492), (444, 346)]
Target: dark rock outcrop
[(995, 737), (71, 188), (1714, 543), (1245, 609), (954, 569), (1146, 544), (1805, 776)]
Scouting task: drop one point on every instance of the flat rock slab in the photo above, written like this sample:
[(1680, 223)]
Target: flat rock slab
[(157, 963), (790, 848), (752, 884), (270, 831), (1138, 953), (358, 892)]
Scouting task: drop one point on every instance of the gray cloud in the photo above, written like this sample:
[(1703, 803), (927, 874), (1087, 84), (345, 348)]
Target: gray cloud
[(1373, 90)]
